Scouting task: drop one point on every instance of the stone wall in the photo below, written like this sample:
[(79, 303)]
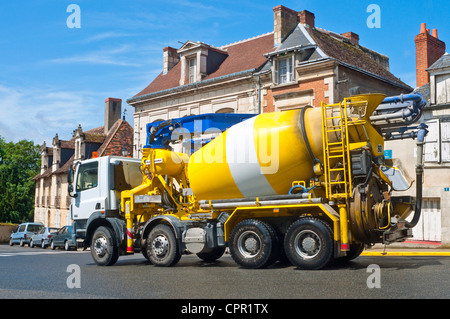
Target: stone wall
[(5, 232)]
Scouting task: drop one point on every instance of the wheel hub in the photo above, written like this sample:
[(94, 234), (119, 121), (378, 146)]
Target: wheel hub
[(160, 246), (100, 246), (249, 244), (307, 244)]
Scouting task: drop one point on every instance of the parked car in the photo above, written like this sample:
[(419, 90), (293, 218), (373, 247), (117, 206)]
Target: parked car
[(63, 238), (43, 237), (23, 233)]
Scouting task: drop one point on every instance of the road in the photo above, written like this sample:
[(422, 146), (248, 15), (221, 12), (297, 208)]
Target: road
[(37, 273)]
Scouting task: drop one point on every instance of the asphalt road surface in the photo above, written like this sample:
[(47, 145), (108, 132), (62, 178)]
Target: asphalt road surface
[(42, 273)]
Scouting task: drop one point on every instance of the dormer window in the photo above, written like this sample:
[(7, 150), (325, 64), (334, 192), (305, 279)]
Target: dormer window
[(192, 63), (284, 69), (198, 60)]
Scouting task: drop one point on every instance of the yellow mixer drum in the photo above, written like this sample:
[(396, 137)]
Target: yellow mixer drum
[(257, 157)]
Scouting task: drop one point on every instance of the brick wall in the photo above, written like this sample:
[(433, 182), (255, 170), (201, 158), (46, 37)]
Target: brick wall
[(318, 87)]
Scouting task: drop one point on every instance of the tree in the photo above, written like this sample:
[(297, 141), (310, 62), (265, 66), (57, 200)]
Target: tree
[(19, 163)]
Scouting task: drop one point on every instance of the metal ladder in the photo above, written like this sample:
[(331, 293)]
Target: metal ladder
[(338, 181)]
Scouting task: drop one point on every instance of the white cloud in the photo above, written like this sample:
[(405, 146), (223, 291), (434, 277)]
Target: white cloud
[(117, 56), (38, 114), (106, 35)]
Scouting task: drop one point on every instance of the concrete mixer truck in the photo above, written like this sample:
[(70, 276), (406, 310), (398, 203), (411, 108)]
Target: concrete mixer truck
[(309, 186)]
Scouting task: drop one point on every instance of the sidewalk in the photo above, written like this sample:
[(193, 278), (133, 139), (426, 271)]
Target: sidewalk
[(407, 249)]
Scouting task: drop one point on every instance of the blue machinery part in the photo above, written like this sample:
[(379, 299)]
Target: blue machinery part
[(395, 115), (186, 129)]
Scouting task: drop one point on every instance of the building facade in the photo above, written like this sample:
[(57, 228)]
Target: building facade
[(294, 65), (52, 200), (433, 80)]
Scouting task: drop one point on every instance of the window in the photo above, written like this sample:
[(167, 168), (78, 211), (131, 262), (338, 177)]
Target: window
[(34, 228), (127, 176), (437, 141), (58, 219), (284, 71), (87, 176), (192, 65)]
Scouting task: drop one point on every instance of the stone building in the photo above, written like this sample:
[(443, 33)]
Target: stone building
[(294, 65), (433, 81), (52, 201)]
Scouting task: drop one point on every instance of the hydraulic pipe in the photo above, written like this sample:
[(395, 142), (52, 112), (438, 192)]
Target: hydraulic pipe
[(223, 205)]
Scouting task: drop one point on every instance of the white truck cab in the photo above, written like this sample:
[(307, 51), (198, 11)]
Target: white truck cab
[(95, 186)]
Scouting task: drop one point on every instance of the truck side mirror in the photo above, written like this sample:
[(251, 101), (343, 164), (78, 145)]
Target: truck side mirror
[(70, 176)]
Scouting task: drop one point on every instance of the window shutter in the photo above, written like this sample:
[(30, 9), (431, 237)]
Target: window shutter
[(445, 141), (275, 73), (442, 89), (432, 142), (291, 68)]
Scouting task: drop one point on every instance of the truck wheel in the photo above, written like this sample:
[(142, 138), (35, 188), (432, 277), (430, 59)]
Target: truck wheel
[(253, 244), (309, 243), (104, 249), (162, 246)]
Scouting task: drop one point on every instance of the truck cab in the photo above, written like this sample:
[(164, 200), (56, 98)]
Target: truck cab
[(95, 186)]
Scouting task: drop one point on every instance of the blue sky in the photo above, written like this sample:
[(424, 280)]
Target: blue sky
[(53, 78)]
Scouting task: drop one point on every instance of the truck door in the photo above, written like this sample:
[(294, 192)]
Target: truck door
[(88, 197)]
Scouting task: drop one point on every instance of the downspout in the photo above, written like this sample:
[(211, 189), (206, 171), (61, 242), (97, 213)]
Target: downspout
[(419, 175), (259, 94)]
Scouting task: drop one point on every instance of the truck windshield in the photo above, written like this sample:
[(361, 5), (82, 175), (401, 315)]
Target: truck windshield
[(127, 176)]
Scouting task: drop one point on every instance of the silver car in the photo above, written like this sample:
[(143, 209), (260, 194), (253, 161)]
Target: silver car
[(23, 233), (43, 237)]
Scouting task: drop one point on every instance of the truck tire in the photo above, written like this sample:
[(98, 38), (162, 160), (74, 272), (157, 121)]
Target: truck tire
[(253, 244), (212, 254), (309, 243), (104, 249), (355, 250), (162, 246)]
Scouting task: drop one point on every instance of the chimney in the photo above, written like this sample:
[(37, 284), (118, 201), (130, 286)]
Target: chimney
[(434, 33), (307, 18), (170, 57), (353, 37), (284, 21), (428, 49), (113, 110)]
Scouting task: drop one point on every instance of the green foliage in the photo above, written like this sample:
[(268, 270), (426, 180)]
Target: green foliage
[(19, 163)]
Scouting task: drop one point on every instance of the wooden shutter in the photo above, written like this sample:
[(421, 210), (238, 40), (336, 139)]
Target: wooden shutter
[(445, 141), (432, 141)]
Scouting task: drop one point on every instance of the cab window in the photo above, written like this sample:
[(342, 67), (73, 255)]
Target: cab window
[(87, 176)]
